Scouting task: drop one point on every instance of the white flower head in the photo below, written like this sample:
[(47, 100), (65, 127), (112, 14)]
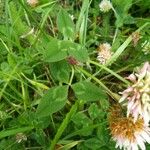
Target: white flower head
[(105, 5), (137, 95), (32, 3), (127, 134), (104, 53)]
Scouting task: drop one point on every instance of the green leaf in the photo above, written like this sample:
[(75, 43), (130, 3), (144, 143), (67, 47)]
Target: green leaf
[(79, 52), (122, 11), (18, 25), (81, 120), (60, 71), (105, 105), (40, 137), (112, 145), (103, 134), (129, 20), (54, 52), (9, 144), (63, 125), (12, 59), (95, 112), (5, 67), (75, 50), (65, 24), (52, 101), (106, 148), (88, 91), (93, 143), (57, 50), (10, 132), (143, 4)]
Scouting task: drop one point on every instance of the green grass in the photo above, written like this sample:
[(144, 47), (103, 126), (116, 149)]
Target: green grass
[(52, 87)]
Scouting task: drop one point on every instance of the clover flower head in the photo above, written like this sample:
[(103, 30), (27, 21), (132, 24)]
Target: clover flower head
[(32, 3), (137, 96), (127, 134), (105, 5), (104, 53)]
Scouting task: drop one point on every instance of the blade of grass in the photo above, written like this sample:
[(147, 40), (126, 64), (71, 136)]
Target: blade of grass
[(7, 12), (44, 20), (110, 71), (63, 126), (35, 83), (14, 131), (78, 132), (46, 5), (36, 22), (5, 45), (123, 46), (8, 80), (81, 26), (70, 145), (83, 9)]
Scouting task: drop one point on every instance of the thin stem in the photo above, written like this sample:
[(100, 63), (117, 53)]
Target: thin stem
[(115, 35), (63, 126), (123, 46), (72, 75), (113, 95), (110, 71), (5, 46)]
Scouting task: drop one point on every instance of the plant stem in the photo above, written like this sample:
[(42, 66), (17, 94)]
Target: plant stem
[(63, 126), (110, 71), (113, 95)]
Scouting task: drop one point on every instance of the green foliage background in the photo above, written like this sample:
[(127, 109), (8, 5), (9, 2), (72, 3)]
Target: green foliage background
[(55, 104)]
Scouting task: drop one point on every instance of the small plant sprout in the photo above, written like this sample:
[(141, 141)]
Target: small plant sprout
[(105, 5), (138, 94), (104, 53)]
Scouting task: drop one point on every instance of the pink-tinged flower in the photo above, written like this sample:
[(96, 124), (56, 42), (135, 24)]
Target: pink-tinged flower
[(104, 53), (127, 134), (32, 3), (138, 94)]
